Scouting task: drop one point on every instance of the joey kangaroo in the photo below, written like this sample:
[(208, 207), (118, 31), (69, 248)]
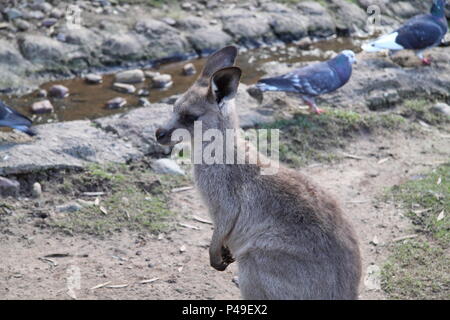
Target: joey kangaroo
[(288, 236)]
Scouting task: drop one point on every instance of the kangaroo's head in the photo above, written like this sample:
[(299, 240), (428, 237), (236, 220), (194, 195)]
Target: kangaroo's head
[(210, 99)]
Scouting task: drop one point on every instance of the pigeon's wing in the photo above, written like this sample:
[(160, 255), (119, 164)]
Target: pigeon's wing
[(315, 80), (10, 117), (419, 33)]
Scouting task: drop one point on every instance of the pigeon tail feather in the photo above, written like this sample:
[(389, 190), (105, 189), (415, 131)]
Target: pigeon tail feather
[(386, 42), (275, 84)]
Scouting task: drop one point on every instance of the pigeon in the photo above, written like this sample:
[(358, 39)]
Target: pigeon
[(313, 80), (13, 119), (420, 33)]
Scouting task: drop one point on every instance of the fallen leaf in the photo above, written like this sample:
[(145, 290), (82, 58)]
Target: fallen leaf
[(441, 216), (103, 210)]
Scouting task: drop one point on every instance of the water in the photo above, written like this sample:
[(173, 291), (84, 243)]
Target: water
[(87, 101)]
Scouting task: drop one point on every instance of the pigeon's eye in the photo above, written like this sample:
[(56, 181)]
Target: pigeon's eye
[(188, 119)]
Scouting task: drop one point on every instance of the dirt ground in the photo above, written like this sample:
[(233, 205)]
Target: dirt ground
[(175, 265)]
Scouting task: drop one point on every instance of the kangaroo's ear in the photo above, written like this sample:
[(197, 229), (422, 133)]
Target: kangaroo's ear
[(224, 85), (221, 59)]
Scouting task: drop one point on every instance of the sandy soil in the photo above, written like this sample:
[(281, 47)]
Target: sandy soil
[(179, 259)]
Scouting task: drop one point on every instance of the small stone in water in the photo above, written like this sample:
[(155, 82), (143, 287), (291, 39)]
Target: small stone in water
[(44, 106), (144, 102), (93, 78), (189, 69), (49, 22), (143, 93), (116, 103), (124, 88), (59, 91), (151, 74), (162, 81), (130, 76)]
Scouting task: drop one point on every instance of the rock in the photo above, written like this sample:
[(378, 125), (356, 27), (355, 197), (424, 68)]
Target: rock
[(50, 22), (44, 106), (319, 21), (22, 25), (58, 91), (12, 14), (151, 74), (143, 92), (130, 76), (123, 46), (93, 78), (69, 207), (169, 21), (189, 69), (65, 145), (116, 103), (41, 49), (34, 15), (288, 27), (42, 93), (167, 166), (349, 17), (139, 126), (187, 6), (56, 13), (124, 88), (9, 187), (250, 29), (162, 81), (143, 102), (45, 7), (441, 108), (161, 41), (36, 192)]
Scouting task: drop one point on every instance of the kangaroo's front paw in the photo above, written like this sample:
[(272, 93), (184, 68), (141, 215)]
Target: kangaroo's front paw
[(227, 257)]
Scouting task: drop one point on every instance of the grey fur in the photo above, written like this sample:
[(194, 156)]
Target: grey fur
[(288, 236)]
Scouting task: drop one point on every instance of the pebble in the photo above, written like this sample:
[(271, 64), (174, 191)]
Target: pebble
[(189, 69), (59, 91), (43, 106), (22, 25), (151, 74), (143, 102), (93, 78), (143, 93), (124, 88), (49, 22), (116, 103), (130, 76), (162, 81), (36, 192)]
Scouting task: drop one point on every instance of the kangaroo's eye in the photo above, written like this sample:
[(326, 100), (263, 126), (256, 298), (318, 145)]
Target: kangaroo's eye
[(188, 119)]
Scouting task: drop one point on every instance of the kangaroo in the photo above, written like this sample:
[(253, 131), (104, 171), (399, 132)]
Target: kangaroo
[(288, 236)]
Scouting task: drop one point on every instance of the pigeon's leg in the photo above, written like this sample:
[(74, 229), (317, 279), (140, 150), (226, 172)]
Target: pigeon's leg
[(425, 61), (312, 105)]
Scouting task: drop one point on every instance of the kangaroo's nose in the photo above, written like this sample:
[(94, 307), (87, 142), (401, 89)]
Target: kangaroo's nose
[(160, 134)]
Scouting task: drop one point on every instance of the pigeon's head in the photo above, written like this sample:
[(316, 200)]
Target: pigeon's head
[(438, 8), (351, 56)]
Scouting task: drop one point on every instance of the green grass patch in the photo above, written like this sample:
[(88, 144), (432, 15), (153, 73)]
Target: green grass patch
[(420, 268), (420, 110), (424, 200), (417, 270), (135, 199), (308, 138)]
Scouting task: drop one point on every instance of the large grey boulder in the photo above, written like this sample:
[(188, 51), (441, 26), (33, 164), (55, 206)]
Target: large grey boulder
[(250, 29), (64, 145), (139, 127), (161, 40)]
